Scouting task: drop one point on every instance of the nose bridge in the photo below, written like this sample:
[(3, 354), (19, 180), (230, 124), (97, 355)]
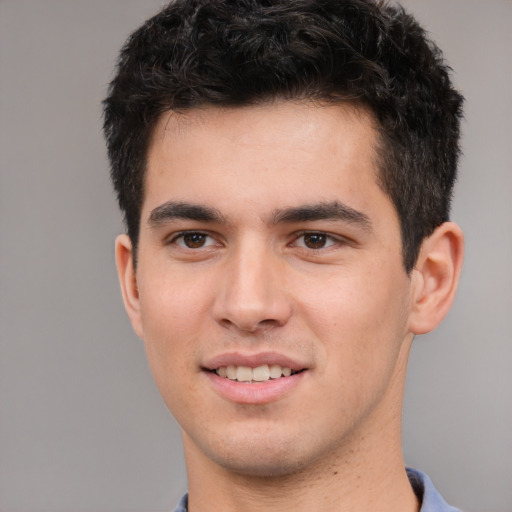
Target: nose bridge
[(252, 295)]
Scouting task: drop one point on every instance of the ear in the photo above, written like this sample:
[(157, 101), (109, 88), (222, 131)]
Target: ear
[(128, 281), (436, 277)]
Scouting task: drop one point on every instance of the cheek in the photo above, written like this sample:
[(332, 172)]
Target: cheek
[(360, 327), (170, 306), (171, 316), (360, 318), (168, 341)]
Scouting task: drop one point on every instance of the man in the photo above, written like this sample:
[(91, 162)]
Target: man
[(285, 169)]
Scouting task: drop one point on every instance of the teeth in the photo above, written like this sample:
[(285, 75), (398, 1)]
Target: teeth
[(231, 372), (243, 374), (259, 374), (275, 371)]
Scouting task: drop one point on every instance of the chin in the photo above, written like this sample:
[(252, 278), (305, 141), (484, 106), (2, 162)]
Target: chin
[(265, 456), (262, 467)]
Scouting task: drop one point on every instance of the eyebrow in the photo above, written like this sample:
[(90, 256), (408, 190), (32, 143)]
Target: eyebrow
[(334, 210), (172, 210)]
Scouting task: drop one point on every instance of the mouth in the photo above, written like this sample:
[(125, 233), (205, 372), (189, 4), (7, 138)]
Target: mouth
[(254, 384), (258, 374), (255, 379)]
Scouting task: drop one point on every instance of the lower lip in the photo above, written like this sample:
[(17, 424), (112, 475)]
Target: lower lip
[(254, 393)]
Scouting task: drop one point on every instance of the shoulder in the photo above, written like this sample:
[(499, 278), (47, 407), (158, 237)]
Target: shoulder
[(431, 500), (182, 505)]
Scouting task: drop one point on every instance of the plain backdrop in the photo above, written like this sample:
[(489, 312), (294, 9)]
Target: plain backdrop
[(82, 427)]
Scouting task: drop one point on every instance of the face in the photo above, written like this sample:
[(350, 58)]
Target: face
[(270, 290)]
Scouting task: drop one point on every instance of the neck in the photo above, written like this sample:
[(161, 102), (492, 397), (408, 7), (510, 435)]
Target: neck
[(371, 477)]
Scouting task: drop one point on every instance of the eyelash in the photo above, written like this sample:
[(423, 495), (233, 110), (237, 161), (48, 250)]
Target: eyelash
[(334, 240), (183, 234), (326, 238)]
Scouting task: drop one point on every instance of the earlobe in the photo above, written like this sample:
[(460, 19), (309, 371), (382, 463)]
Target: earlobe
[(436, 277), (128, 281)]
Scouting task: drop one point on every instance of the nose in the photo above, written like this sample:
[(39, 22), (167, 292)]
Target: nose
[(252, 295)]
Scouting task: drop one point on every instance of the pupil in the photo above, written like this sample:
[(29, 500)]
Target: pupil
[(194, 240), (314, 240)]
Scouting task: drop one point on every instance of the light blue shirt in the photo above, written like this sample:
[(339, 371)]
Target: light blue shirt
[(431, 500)]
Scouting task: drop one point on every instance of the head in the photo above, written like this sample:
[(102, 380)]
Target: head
[(285, 169), (248, 52)]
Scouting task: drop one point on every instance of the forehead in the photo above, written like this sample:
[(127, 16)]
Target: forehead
[(291, 152), (277, 124)]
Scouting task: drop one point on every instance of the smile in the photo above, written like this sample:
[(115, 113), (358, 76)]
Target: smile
[(261, 373), (254, 379)]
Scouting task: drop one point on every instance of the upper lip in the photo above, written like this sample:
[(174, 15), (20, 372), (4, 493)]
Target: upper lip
[(253, 360)]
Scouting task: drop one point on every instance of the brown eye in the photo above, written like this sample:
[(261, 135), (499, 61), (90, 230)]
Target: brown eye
[(315, 240), (194, 240)]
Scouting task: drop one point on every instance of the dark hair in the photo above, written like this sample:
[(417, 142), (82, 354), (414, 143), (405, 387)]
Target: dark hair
[(241, 52)]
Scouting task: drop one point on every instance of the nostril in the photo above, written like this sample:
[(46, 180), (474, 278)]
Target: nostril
[(248, 326), (269, 323)]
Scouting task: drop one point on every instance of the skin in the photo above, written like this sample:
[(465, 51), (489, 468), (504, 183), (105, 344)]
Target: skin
[(331, 294)]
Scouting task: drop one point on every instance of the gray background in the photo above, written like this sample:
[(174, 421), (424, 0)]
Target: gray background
[(82, 427)]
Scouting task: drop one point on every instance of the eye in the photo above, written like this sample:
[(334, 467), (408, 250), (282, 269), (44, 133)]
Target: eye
[(193, 240), (315, 240)]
